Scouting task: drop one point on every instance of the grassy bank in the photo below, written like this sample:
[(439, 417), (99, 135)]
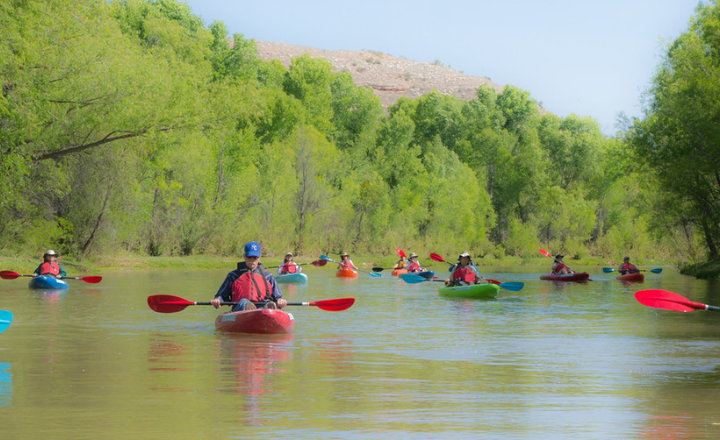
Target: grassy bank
[(709, 269), (99, 264)]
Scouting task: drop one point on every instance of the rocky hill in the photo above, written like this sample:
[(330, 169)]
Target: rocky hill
[(391, 77)]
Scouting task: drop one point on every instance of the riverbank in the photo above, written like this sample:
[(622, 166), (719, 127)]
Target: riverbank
[(707, 270), (129, 262)]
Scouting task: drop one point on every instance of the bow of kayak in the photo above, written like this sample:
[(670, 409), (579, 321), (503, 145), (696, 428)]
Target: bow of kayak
[(398, 272), (259, 321), (472, 291), (47, 282), (292, 278), (346, 273), (566, 277), (633, 277)]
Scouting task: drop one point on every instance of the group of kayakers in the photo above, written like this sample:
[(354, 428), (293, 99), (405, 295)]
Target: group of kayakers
[(410, 264), (560, 268)]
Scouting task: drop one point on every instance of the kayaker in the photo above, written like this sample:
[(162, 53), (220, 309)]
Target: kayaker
[(464, 273), (627, 267), (401, 263), (558, 267), (346, 262), (289, 265), (412, 264), (50, 266), (249, 283)]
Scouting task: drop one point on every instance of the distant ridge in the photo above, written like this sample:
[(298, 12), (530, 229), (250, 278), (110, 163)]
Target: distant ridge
[(389, 76)]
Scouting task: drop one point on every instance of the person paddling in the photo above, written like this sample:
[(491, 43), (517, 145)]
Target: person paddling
[(559, 267), (50, 266), (464, 273), (346, 262), (289, 265), (412, 264), (249, 283), (401, 263), (627, 267)]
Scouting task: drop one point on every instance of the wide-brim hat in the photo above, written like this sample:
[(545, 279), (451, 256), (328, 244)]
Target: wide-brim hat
[(413, 254), (344, 254), (464, 254), (50, 252), (289, 253)]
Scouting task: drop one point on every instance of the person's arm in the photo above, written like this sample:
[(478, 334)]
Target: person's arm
[(62, 271), (352, 264), (276, 294), (37, 271), (298, 268)]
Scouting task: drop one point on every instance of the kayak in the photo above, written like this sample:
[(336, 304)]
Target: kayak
[(427, 274), (259, 321), (292, 278), (634, 277), (472, 291), (347, 273), (398, 272), (47, 282), (567, 277)]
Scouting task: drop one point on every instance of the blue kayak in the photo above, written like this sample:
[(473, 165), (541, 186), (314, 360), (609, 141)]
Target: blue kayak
[(292, 278), (428, 274), (48, 282)]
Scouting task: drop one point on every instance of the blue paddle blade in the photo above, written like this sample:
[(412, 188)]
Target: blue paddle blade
[(608, 269), (325, 257), (656, 270), (411, 279), (373, 274), (512, 286), (5, 320)]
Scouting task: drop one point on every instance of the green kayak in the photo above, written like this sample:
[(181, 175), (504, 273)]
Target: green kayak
[(473, 291)]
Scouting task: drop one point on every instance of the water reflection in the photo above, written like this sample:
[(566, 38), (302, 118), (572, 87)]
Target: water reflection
[(6, 389), (247, 365)]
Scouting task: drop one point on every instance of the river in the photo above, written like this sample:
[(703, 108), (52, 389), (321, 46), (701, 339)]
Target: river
[(551, 361)]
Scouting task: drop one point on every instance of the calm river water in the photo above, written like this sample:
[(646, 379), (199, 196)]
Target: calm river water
[(552, 361)]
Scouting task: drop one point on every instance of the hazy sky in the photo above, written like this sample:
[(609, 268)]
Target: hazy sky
[(590, 58)]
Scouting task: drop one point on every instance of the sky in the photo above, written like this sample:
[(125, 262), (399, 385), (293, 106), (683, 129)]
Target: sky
[(588, 58)]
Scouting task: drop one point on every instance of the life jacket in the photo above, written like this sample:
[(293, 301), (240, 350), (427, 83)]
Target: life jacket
[(289, 267), (49, 268), (560, 266), (414, 267), (464, 273), (251, 285), (629, 268), (346, 264)]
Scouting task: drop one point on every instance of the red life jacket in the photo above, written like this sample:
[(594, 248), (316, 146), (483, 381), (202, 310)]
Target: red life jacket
[(466, 274), (560, 267), (414, 267), (49, 268), (628, 267), (346, 264), (252, 286), (289, 267)]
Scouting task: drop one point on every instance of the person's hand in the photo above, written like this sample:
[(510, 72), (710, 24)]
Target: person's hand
[(281, 302), (58, 277), (447, 282), (215, 302)]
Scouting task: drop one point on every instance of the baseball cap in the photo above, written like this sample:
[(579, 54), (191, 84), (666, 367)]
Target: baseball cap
[(252, 249)]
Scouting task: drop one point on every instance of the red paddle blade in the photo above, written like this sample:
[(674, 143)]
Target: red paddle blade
[(9, 275), (319, 263), (663, 299), (168, 303), (546, 253), (489, 280), (401, 253), (334, 305), (93, 279), (438, 258)]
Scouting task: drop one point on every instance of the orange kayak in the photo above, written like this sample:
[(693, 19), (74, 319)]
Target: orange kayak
[(398, 272), (346, 273), (635, 277)]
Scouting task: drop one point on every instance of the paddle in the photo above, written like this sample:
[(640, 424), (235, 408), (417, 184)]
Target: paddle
[(316, 263), (610, 269), (324, 257), (663, 299), (172, 304), (401, 253), (10, 275), (5, 320), (513, 286)]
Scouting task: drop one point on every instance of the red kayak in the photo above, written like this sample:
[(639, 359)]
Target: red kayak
[(634, 277), (347, 273), (567, 277), (260, 321)]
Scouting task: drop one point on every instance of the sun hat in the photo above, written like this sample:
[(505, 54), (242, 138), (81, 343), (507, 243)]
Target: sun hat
[(50, 252), (344, 254), (464, 254), (289, 253), (559, 256)]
